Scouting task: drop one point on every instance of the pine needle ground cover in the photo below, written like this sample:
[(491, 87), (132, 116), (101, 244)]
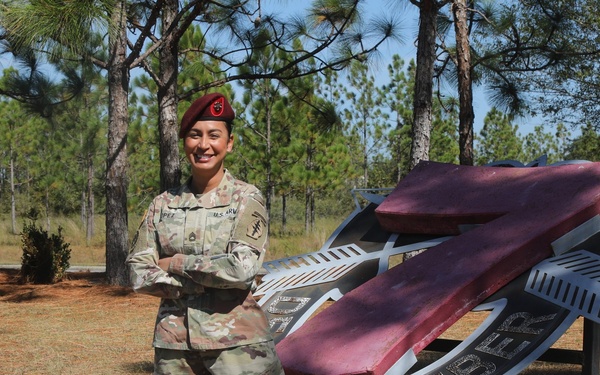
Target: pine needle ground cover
[(82, 326), (77, 326)]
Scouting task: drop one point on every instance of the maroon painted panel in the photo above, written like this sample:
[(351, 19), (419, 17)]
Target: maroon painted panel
[(524, 210)]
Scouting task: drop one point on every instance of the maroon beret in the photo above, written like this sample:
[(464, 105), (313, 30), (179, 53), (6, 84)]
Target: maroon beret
[(209, 107)]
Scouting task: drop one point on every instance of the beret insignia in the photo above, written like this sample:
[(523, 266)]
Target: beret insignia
[(209, 107), (217, 107)]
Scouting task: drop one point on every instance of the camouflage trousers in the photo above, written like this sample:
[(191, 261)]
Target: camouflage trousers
[(251, 359)]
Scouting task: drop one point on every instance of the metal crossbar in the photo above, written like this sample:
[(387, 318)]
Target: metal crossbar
[(309, 269), (328, 265)]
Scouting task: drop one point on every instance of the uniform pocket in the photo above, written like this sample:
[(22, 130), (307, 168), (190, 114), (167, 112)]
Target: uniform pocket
[(218, 233), (170, 238)]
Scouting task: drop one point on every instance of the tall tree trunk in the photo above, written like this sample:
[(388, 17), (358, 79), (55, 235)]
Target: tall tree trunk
[(283, 213), (269, 156), (465, 85), (423, 102), (168, 125), (421, 127), (13, 200), (117, 239), (312, 210), (308, 190), (308, 225), (47, 208), (82, 212), (89, 213)]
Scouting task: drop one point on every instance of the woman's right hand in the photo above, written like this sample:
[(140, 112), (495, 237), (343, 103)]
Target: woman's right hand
[(164, 263)]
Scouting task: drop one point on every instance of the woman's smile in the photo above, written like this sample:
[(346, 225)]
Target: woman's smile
[(202, 158)]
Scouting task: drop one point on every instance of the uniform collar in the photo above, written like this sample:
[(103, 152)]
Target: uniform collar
[(217, 197)]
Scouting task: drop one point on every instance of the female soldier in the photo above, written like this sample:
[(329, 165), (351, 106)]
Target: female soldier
[(199, 249)]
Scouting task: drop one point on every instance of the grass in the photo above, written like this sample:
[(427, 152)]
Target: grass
[(78, 326)]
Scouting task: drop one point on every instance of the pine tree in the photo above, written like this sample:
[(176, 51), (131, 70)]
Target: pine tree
[(397, 97), (540, 143), (367, 125), (586, 146), (498, 139)]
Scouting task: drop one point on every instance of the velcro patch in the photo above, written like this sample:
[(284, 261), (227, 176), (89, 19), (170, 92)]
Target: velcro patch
[(256, 228), (252, 225)]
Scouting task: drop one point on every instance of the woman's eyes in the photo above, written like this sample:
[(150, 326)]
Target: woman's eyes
[(211, 136)]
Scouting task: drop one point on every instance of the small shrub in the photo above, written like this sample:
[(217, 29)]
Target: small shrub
[(45, 257)]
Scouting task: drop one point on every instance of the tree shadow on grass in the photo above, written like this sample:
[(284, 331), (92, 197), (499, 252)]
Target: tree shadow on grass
[(121, 292), (142, 367), (23, 296)]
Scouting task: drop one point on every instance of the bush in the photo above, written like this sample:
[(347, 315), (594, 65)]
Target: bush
[(45, 258)]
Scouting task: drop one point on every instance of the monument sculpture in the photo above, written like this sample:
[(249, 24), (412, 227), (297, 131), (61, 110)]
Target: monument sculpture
[(521, 242)]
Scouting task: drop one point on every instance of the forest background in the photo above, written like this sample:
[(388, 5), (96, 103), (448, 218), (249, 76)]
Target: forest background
[(305, 140)]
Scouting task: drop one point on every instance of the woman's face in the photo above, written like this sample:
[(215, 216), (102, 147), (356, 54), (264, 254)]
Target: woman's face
[(206, 144)]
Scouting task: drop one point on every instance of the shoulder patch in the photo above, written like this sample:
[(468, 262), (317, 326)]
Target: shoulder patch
[(257, 227), (252, 226)]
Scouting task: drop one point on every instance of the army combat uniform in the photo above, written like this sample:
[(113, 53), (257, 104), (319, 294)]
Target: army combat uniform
[(217, 241)]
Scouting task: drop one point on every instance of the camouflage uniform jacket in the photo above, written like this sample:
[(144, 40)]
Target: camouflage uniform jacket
[(217, 241)]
